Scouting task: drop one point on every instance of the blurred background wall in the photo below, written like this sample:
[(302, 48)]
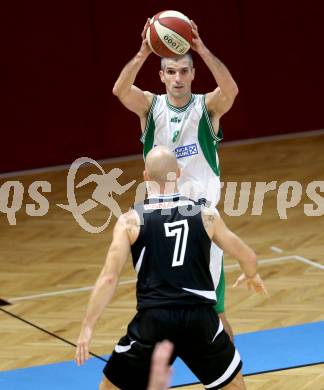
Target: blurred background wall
[(59, 61)]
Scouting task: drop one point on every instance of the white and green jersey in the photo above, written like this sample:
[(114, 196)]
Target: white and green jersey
[(188, 132)]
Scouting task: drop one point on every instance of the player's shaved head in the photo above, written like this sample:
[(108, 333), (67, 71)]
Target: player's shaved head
[(161, 165)]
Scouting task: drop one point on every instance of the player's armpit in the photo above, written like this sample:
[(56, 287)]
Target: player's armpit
[(136, 100), (217, 103)]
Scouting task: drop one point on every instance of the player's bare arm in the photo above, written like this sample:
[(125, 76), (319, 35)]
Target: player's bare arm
[(105, 286), (222, 98), (132, 97), (235, 247), (133, 225)]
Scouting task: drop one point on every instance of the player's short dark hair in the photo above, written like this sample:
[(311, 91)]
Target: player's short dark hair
[(177, 58)]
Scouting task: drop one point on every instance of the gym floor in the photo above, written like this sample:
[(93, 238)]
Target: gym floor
[(49, 263)]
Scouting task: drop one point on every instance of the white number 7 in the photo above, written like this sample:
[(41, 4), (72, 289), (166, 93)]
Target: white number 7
[(180, 230)]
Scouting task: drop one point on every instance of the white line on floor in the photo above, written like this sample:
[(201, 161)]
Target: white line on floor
[(276, 249), (63, 292), (263, 261), (300, 134), (130, 281), (309, 262)]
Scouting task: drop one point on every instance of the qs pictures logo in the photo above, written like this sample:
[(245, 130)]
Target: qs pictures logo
[(12, 194), (106, 185)]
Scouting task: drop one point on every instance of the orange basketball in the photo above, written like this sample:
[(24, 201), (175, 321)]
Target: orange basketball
[(169, 34)]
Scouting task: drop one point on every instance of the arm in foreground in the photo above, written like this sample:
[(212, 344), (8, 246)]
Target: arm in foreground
[(104, 288), (160, 366), (237, 248)]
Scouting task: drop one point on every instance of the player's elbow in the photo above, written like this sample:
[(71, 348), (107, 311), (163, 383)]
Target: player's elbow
[(110, 278), (234, 90), (116, 90), (230, 94)]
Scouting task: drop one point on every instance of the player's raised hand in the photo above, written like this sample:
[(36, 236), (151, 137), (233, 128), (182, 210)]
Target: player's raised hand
[(197, 43), (145, 48), (82, 350), (255, 284)]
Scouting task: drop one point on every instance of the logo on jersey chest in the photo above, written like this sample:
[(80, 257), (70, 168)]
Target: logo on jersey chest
[(175, 119), (186, 151)]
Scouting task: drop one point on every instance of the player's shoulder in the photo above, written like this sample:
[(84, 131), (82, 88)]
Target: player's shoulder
[(209, 210), (129, 216), (129, 222), (209, 216)]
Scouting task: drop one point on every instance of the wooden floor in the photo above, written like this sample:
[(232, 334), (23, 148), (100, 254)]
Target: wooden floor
[(44, 255)]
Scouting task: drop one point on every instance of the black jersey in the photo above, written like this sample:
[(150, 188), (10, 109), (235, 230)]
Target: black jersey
[(172, 254)]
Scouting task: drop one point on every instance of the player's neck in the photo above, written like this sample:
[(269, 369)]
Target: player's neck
[(179, 101), (169, 188)]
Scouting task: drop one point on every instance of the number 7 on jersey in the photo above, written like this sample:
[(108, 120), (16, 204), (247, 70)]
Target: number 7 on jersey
[(178, 229)]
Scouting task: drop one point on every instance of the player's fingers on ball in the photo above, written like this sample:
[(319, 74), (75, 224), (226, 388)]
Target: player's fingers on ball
[(195, 34), (194, 25), (145, 28)]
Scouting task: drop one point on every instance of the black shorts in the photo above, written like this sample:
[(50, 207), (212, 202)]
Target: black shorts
[(199, 340)]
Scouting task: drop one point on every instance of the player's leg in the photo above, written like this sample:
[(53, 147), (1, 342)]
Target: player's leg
[(236, 384), (227, 326), (209, 353), (129, 364)]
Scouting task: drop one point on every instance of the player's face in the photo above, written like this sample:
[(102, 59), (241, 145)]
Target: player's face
[(177, 77)]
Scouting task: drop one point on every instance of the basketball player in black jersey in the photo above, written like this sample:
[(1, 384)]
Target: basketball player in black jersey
[(169, 237)]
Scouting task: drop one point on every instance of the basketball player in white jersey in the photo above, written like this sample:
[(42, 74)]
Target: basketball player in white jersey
[(188, 124), (169, 237)]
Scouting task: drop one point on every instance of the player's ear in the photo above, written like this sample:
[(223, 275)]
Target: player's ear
[(146, 176), (193, 71), (161, 73)]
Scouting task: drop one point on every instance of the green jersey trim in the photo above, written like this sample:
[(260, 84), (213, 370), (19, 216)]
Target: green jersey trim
[(148, 134), (208, 143), (148, 120), (179, 109), (217, 137)]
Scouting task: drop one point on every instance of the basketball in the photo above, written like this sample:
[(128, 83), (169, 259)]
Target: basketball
[(169, 34)]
